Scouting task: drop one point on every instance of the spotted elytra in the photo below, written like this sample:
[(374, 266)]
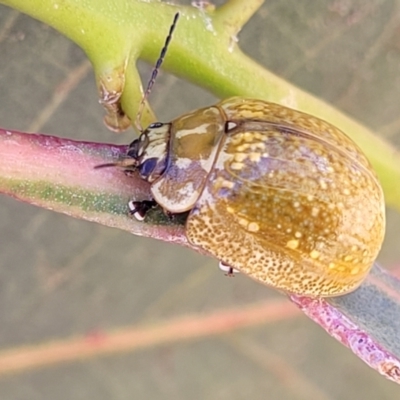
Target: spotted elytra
[(272, 192)]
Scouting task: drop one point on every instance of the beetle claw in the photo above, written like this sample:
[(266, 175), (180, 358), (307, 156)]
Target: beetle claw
[(139, 209), (229, 271)]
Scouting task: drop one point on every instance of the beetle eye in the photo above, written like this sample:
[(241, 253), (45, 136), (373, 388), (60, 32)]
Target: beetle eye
[(148, 167), (155, 125)]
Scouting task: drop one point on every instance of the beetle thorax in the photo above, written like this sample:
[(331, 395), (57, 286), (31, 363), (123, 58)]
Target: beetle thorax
[(180, 157)]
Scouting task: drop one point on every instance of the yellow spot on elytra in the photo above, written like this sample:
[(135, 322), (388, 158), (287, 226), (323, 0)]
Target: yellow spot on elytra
[(243, 222), (314, 211), (296, 204), (255, 157), (355, 271), (223, 183), (348, 258), (314, 254), (253, 227), (227, 184), (230, 210), (292, 244), (310, 197), (242, 148), (354, 248), (218, 182), (240, 157), (322, 184), (298, 235), (259, 145), (236, 140), (248, 137), (332, 265), (237, 166), (346, 191)]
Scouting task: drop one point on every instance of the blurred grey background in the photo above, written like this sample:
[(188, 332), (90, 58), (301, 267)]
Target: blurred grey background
[(61, 277)]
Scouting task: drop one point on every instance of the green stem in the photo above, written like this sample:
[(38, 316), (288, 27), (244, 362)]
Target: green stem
[(234, 14)]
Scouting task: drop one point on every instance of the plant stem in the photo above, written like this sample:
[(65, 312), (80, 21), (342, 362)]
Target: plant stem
[(234, 14)]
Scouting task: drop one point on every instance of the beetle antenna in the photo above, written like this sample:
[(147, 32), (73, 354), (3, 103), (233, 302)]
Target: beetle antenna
[(155, 73), (126, 162)]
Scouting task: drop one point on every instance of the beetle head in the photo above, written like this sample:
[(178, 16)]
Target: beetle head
[(150, 152)]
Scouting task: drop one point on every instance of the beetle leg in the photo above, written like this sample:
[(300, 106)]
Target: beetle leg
[(229, 271), (138, 209)]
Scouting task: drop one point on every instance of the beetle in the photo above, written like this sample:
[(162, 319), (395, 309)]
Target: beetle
[(283, 196)]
